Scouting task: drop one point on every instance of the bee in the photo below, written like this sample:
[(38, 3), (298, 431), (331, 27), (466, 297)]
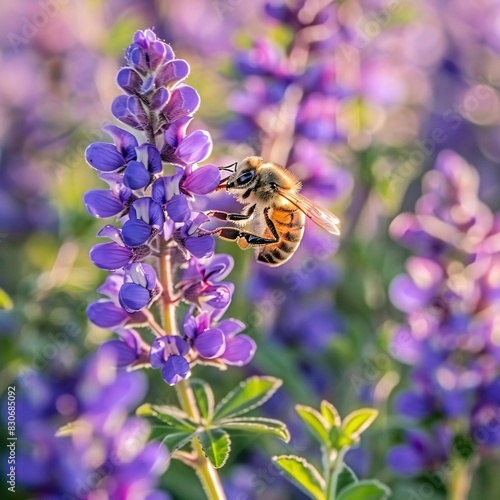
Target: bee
[(275, 214)]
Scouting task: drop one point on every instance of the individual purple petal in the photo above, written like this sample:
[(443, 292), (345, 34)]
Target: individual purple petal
[(136, 232), (106, 314), (129, 80), (158, 51), (101, 203), (110, 256), (176, 131), (136, 176), (219, 267), (136, 108), (210, 344), (405, 460), (124, 354), (104, 156), (172, 72), (157, 354), (196, 147), (203, 180), (178, 208), (119, 108), (133, 297), (159, 99), (217, 296), (239, 350), (200, 247), (112, 285), (111, 232), (125, 142), (150, 156), (183, 101), (231, 327), (175, 369), (142, 274)]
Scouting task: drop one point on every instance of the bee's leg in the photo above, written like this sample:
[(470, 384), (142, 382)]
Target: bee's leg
[(234, 217), (244, 238)]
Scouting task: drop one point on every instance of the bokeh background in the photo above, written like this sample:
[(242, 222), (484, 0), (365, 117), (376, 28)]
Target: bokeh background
[(391, 92)]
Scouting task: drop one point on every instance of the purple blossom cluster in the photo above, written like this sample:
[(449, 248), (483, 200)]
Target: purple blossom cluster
[(451, 298), (101, 453), (153, 190)]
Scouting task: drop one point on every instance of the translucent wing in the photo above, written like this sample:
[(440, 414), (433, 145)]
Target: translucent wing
[(323, 218)]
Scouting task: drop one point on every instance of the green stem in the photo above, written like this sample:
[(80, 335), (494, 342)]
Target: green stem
[(204, 469), (460, 479), (335, 469)]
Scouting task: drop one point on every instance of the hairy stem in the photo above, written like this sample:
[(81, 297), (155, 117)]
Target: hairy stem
[(208, 475)]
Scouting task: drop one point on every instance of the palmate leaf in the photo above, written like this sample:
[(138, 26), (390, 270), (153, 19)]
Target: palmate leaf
[(170, 425), (204, 398), (316, 423), (301, 473), (250, 394), (171, 416), (257, 425), (174, 440), (365, 490), (216, 444)]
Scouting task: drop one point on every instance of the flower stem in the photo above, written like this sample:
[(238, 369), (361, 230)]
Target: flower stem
[(461, 479), (204, 469)]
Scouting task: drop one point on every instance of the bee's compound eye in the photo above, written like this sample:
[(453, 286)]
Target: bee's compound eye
[(245, 177)]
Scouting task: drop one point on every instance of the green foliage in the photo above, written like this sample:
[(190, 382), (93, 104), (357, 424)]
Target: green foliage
[(365, 490), (250, 394), (335, 436), (216, 444), (301, 473), (5, 301), (177, 429)]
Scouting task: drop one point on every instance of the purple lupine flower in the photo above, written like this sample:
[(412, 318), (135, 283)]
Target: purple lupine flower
[(201, 282), (204, 341), (140, 287), (146, 220), (115, 255), (95, 399), (450, 312), (160, 218), (168, 353)]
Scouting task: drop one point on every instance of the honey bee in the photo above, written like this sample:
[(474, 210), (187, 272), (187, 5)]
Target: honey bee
[(275, 214)]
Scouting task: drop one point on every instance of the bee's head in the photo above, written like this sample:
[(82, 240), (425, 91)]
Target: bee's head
[(245, 174)]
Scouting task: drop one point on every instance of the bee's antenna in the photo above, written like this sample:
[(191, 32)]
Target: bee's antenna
[(229, 167)]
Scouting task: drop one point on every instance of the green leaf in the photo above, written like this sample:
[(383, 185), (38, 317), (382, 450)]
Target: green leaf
[(257, 425), (169, 415), (250, 394), (365, 490), (175, 440), (358, 421), (5, 300), (345, 478), (301, 473), (330, 413), (315, 422), (216, 444), (338, 439), (204, 398)]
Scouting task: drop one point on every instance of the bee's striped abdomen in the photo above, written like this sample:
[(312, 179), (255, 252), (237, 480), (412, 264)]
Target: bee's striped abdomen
[(289, 224)]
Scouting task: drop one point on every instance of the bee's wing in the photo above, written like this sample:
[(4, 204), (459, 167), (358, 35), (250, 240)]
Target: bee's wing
[(323, 218)]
